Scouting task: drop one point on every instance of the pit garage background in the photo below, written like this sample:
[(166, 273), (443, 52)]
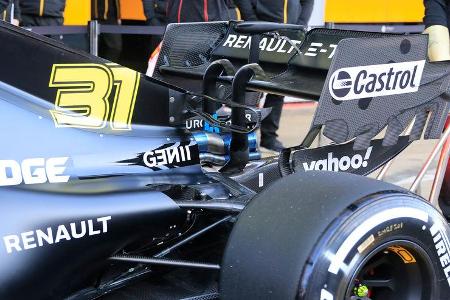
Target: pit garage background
[(370, 15)]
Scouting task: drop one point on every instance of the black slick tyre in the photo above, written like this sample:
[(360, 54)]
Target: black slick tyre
[(333, 236)]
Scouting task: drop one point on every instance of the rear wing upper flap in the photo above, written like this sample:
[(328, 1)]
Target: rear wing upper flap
[(189, 48)]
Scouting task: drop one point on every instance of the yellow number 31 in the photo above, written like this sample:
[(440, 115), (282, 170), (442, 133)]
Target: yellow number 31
[(82, 98)]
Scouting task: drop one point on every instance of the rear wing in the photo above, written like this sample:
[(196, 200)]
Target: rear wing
[(189, 48), (330, 65), (365, 83)]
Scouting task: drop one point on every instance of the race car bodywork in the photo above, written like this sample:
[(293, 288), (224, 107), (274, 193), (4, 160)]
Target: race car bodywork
[(103, 175)]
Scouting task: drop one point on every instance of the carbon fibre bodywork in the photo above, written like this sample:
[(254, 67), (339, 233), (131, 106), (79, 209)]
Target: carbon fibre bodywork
[(96, 159)]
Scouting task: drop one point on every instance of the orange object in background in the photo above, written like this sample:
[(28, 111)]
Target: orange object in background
[(132, 10), (78, 12), (374, 11)]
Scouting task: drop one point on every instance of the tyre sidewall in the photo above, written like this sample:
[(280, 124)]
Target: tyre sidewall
[(364, 227)]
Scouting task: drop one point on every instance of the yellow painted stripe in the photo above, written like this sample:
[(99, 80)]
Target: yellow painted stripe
[(285, 18), (4, 15), (105, 15), (238, 14), (41, 8)]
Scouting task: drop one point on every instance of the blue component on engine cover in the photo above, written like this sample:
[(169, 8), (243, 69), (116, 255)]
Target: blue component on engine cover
[(211, 128), (215, 148)]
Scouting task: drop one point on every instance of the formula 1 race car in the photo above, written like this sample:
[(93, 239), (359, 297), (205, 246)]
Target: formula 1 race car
[(115, 185)]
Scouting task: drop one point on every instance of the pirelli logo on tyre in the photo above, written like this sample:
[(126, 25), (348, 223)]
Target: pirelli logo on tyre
[(376, 80)]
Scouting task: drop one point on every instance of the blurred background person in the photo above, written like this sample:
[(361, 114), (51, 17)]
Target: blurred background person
[(155, 12), (108, 12), (233, 11), (42, 12), (10, 11), (3, 5), (279, 11), (162, 12), (179, 11), (436, 26)]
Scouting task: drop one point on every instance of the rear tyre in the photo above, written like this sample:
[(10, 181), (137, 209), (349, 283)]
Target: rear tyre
[(335, 236)]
